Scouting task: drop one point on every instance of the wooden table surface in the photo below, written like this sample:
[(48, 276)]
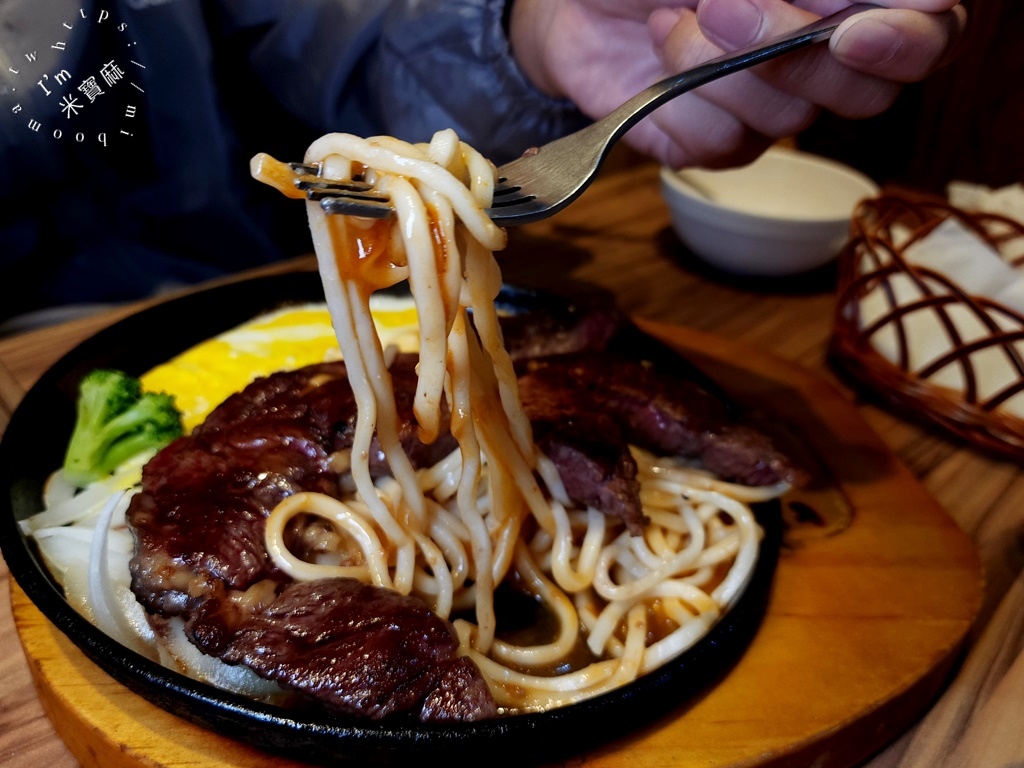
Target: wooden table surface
[(617, 240)]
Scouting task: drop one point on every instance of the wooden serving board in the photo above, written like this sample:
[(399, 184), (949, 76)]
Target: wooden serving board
[(875, 590)]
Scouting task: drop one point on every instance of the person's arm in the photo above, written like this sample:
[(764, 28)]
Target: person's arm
[(599, 53), (405, 68)]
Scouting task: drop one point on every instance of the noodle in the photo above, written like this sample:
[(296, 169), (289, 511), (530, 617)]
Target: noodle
[(444, 252)]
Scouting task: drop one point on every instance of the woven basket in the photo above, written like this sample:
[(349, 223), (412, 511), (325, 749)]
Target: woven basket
[(981, 408)]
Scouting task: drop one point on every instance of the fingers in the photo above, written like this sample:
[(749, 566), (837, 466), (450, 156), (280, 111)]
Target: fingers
[(925, 6), (898, 44), (636, 9), (731, 24), (859, 74), (728, 121), (600, 52), (593, 52), (701, 134), (762, 106)]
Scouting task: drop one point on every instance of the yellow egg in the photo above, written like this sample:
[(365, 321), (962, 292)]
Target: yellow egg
[(203, 376)]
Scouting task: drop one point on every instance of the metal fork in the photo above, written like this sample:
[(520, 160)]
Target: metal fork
[(546, 179)]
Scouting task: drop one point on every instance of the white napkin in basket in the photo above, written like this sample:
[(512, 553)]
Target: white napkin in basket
[(1008, 200), (978, 270)]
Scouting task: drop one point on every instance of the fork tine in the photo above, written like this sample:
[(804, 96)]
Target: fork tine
[(355, 198), (348, 197), (305, 169), (507, 201), (339, 186), (505, 196), (375, 207), (351, 205), (504, 189)]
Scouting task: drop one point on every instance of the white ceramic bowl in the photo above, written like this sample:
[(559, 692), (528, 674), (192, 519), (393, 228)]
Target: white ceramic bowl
[(785, 213)]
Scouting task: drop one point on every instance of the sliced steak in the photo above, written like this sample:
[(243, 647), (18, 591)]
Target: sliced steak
[(586, 445), (199, 525), (529, 335), (668, 415), (199, 520), (321, 396), (361, 650)]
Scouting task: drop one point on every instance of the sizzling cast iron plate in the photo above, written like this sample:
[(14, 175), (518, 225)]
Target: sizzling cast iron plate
[(34, 444)]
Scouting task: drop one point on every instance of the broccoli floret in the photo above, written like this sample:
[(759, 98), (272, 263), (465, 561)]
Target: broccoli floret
[(116, 420)]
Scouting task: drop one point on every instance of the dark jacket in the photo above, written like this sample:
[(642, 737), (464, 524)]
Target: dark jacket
[(143, 183)]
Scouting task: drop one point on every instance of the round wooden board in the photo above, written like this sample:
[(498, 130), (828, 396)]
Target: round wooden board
[(875, 590)]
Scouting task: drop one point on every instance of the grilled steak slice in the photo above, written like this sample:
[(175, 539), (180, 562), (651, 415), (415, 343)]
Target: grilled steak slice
[(668, 415), (360, 649), (529, 335), (199, 520), (461, 695), (321, 397), (586, 445), (199, 527)]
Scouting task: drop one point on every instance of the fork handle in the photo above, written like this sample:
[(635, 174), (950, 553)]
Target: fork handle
[(630, 113)]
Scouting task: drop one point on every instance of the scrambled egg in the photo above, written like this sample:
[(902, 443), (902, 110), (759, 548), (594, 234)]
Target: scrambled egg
[(202, 377)]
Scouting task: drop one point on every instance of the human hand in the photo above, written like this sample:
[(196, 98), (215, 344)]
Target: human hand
[(599, 53)]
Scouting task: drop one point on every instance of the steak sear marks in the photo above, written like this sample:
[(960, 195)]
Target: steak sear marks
[(362, 650), (530, 335), (665, 414), (586, 445), (199, 526)]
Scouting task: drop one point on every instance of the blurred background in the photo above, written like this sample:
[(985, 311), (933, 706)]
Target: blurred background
[(965, 123)]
